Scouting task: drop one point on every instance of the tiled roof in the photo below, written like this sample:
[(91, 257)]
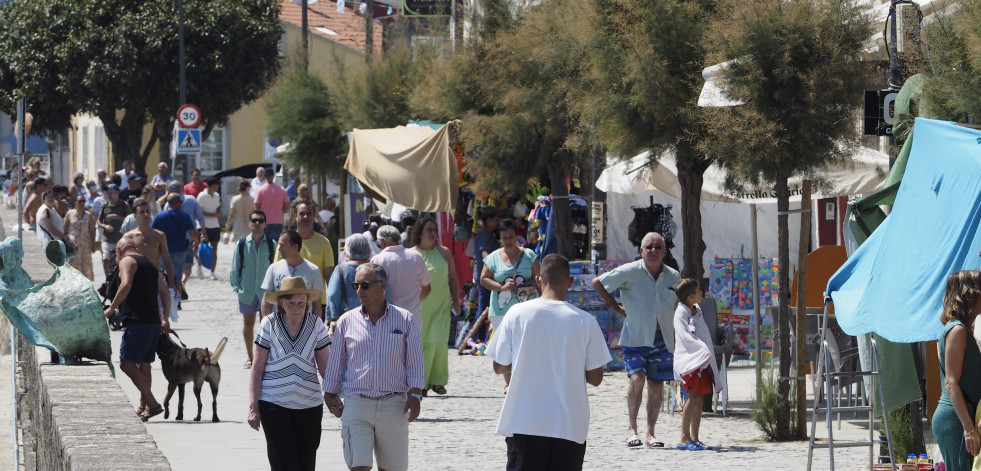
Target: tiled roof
[(324, 21)]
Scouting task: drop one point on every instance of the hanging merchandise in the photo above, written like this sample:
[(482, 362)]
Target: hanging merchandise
[(654, 218), (542, 226)]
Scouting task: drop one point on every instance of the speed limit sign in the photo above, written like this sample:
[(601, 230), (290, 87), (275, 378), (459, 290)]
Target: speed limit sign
[(189, 116)]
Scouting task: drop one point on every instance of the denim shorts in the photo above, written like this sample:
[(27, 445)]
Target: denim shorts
[(250, 308), (139, 344), (656, 362)]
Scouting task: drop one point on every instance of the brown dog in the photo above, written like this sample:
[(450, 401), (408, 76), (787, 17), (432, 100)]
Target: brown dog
[(182, 365)]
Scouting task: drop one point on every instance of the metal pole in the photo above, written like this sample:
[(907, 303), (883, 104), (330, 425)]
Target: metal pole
[(21, 141), (21, 148), (180, 58), (303, 34), (757, 318)]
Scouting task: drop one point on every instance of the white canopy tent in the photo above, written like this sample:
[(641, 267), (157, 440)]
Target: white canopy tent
[(725, 215)]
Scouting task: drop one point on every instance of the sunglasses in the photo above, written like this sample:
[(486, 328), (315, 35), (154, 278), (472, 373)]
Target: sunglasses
[(653, 247), (363, 284), (258, 221)]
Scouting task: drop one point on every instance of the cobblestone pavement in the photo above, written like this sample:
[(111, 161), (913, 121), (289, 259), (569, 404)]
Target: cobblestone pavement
[(455, 431)]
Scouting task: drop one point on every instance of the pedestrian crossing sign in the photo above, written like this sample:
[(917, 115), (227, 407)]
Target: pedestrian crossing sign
[(188, 141)]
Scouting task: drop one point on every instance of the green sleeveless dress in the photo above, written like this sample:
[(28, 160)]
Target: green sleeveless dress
[(435, 311), (947, 427)]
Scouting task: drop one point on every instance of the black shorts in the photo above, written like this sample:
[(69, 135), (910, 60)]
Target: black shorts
[(139, 344), (532, 452), (214, 235)]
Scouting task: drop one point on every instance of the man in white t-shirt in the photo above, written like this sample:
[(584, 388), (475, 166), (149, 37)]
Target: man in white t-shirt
[(552, 349), (125, 173), (210, 203), (291, 263), (258, 181)]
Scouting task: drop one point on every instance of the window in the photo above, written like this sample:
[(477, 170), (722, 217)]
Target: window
[(212, 155)]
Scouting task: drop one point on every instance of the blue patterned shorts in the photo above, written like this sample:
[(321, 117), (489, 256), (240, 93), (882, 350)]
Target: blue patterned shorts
[(656, 362)]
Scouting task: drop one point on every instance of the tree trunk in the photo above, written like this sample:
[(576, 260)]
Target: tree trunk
[(691, 170), (783, 317), (801, 318), (165, 133), (561, 214), (126, 137)]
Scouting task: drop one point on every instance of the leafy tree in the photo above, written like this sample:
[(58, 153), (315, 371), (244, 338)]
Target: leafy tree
[(645, 88), (515, 90), (797, 66), (301, 112), (378, 95), (954, 86), (117, 59)]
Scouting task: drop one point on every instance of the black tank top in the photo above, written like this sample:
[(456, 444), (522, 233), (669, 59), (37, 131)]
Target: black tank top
[(140, 306)]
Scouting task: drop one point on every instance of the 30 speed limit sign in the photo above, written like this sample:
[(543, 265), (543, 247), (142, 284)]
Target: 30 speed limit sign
[(189, 116)]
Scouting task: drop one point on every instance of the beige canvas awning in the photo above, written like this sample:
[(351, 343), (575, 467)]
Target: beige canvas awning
[(410, 165)]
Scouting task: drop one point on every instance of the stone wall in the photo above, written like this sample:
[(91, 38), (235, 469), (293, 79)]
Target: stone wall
[(80, 419)]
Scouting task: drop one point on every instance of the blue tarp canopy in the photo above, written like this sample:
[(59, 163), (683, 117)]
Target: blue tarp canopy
[(894, 283)]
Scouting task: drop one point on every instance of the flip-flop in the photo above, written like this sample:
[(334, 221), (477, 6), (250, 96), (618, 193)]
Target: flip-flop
[(634, 441), (692, 446), (152, 412), (439, 390), (653, 442)]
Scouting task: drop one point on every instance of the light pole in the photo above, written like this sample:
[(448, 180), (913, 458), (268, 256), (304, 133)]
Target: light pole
[(183, 81)]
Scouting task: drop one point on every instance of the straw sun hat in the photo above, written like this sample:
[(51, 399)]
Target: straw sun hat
[(293, 285)]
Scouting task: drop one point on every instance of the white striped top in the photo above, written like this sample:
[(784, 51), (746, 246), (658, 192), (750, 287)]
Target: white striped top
[(290, 378), (381, 358)]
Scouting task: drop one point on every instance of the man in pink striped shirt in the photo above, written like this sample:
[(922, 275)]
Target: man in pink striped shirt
[(409, 279), (380, 346)]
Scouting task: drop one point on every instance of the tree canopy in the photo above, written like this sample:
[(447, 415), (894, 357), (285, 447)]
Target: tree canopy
[(118, 60), (954, 67), (797, 66), (515, 90), (301, 112), (644, 94)]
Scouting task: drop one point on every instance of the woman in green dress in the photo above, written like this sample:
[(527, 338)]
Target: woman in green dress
[(960, 360), (435, 309)]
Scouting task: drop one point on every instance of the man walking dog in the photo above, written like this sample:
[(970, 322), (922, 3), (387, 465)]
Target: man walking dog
[(139, 285)]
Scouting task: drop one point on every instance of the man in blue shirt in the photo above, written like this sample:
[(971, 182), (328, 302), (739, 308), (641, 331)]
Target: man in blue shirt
[(647, 336), (176, 226), (250, 260), (190, 207)]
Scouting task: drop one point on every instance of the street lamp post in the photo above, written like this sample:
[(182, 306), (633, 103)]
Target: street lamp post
[(183, 80)]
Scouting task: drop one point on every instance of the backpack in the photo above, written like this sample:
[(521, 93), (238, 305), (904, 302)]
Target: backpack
[(241, 252)]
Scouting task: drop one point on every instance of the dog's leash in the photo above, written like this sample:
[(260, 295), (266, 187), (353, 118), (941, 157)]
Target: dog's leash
[(178, 339)]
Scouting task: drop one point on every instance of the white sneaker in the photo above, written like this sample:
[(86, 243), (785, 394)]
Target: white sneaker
[(213, 277), (200, 273)]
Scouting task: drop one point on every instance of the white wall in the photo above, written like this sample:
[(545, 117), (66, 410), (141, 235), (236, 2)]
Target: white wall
[(725, 227)]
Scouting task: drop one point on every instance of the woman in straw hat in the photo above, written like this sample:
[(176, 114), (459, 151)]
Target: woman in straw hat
[(284, 392)]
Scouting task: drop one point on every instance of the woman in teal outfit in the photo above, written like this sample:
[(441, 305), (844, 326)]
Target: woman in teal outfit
[(960, 360)]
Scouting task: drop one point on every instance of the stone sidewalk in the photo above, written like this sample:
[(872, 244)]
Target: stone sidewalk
[(455, 431)]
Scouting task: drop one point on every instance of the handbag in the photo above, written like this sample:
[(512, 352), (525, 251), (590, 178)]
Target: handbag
[(70, 248)]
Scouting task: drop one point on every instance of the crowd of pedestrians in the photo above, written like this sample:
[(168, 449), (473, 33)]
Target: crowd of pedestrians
[(365, 331)]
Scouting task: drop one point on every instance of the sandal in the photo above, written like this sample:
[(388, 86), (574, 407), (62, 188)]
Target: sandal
[(151, 412), (439, 390), (653, 442), (634, 441), (247, 365), (702, 446)]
